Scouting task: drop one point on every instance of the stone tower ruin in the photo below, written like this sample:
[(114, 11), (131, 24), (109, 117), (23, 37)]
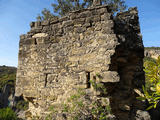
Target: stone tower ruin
[(58, 56)]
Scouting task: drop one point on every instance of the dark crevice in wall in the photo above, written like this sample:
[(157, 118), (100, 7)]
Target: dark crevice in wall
[(46, 76), (88, 79), (35, 42), (31, 100)]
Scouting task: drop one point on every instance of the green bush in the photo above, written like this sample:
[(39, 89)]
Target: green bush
[(7, 76), (22, 105), (7, 114), (152, 87), (146, 59)]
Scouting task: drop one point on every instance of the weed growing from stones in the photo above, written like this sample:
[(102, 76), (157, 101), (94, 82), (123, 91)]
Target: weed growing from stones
[(78, 106), (7, 114)]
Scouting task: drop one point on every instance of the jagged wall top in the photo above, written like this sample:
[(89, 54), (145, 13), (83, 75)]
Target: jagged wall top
[(61, 26)]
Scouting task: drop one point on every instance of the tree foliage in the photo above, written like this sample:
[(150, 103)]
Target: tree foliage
[(152, 88), (46, 15), (7, 76), (152, 48), (62, 7)]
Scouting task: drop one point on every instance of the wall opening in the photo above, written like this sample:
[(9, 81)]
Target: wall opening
[(35, 42), (45, 84), (88, 80)]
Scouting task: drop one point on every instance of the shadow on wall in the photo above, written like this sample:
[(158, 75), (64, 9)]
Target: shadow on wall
[(128, 62), (123, 98)]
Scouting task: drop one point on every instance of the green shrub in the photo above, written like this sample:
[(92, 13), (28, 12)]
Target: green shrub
[(100, 112), (22, 105), (146, 59), (7, 114), (7, 76), (152, 87), (98, 86), (78, 106)]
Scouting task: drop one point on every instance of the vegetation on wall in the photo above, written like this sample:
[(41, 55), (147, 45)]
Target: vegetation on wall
[(22, 105), (98, 86), (80, 106)]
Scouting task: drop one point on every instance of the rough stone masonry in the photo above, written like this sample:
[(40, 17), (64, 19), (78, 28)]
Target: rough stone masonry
[(58, 56)]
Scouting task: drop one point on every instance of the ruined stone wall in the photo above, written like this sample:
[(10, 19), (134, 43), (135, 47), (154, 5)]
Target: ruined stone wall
[(58, 56)]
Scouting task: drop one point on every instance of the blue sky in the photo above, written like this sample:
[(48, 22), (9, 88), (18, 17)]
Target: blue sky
[(16, 15)]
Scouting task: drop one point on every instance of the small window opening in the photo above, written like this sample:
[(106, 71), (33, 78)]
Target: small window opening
[(35, 42), (45, 84), (88, 80)]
